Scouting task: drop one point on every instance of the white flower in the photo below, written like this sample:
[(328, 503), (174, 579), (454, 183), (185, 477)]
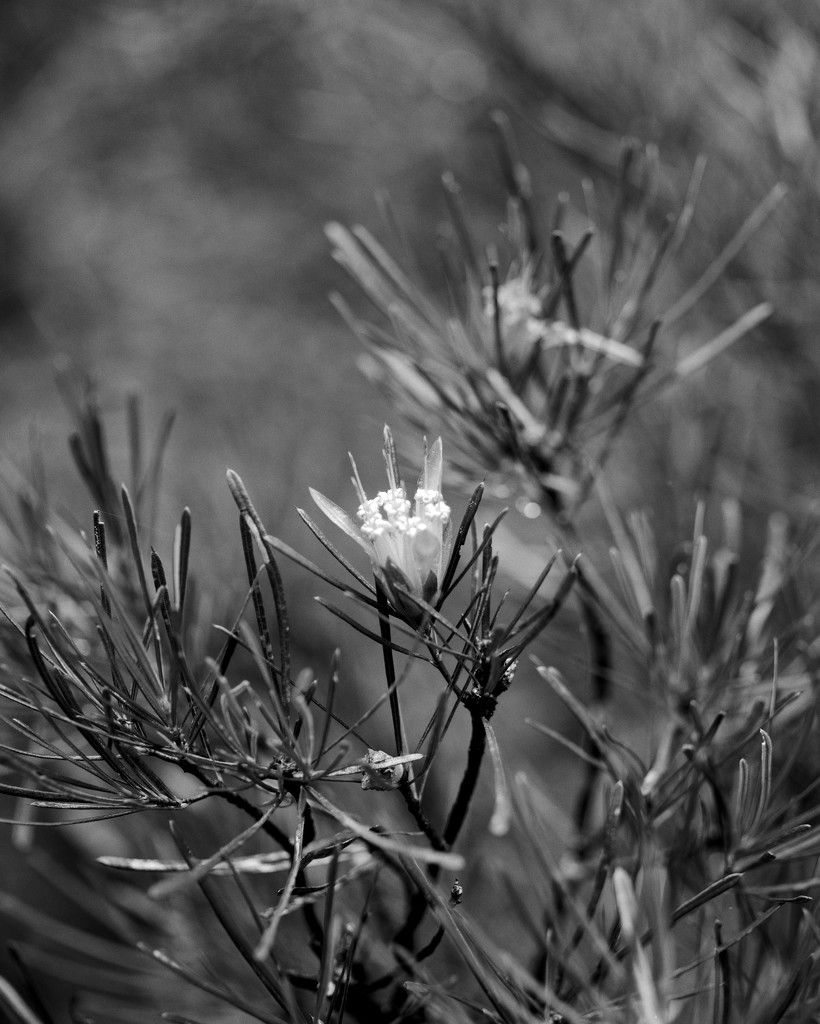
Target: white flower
[(408, 541), (519, 309), (522, 322)]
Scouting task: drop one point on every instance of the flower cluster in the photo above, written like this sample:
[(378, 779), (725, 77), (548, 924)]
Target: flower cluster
[(521, 319), (519, 310), (535, 361), (408, 541)]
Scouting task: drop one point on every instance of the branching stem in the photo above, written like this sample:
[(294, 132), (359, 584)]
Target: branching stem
[(240, 803), (421, 819)]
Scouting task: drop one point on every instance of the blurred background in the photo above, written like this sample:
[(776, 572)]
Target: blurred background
[(166, 170)]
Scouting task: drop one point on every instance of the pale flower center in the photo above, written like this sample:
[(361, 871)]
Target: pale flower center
[(515, 301), (391, 513), (518, 306), (407, 538)]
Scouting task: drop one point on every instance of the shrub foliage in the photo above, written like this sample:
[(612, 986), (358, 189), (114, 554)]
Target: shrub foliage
[(292, 864)]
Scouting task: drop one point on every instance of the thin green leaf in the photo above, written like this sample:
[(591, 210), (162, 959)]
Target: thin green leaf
[(704, 355), (340, 518), (502, 809)]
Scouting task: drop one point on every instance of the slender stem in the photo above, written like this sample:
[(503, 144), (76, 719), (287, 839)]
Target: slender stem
[(455, 819), (421, 819), (389, 668), (599, 642), (475, 755), (601, 657), (432, 945), (600, 650), (497, 332)]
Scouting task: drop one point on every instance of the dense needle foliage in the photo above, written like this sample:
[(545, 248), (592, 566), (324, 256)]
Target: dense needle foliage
[(291, 864)]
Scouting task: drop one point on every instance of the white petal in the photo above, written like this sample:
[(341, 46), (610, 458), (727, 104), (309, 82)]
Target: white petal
[(433, 467), (390, 459), (340, 518)]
